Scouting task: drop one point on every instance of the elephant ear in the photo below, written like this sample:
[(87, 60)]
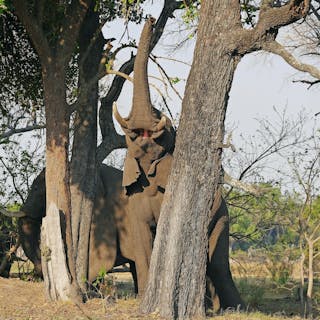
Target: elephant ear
[(131, 171), (159, 171)]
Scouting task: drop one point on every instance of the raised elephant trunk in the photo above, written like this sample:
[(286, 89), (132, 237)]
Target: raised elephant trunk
[(142, 115)]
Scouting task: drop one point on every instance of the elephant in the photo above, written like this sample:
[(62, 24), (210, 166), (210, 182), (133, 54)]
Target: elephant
[(5, 261), (108, 222), (150, 139)]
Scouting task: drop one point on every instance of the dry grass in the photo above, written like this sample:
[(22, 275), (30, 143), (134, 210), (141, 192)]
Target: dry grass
[(25, 300)]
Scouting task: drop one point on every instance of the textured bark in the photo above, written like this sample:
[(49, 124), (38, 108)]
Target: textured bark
[(177, 271), (57, 183), (83, 164), (54, 260), (177, 285), (55, 47)]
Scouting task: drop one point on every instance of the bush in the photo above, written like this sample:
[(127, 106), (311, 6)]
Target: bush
[(252, 292)]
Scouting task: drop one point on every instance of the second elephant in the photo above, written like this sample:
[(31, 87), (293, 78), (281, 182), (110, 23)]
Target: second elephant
[(108, 222)]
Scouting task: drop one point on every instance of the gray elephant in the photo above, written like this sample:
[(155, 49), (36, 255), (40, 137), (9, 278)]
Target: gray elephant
[(150, 140), (108, 222)]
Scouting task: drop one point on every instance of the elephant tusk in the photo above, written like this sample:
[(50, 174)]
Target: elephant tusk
[(161, 124), (121, 121), (12, 214)]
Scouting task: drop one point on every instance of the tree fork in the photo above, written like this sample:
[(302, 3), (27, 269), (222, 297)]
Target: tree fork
[(177, 271)]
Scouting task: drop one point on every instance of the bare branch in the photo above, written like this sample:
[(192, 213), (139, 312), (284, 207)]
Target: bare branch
[(250, 188), (120, 74), (276, 48), (167, 77), (311, 83), (171, 59), (13, 180), (275, 17), (13, 131), (270, 20)]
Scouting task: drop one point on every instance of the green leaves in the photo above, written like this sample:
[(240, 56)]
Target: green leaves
[(174, 80), (248, 12), (3, 6), (191, 12)]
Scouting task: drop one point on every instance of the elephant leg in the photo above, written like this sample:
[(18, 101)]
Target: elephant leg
[(142, 246), (134, 275), (218, 271), (29, 232), (212, 300)]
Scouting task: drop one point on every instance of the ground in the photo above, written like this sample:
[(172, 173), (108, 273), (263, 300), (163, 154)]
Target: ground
[(25, 300)]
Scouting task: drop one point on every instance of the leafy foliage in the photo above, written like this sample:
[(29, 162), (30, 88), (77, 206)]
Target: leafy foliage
[(20, 75), (2, 6)]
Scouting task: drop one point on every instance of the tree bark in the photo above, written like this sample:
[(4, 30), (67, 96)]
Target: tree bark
[(310, 278), (177, 284), (58, 274), (84, 152), (54, 39), (178, 264)]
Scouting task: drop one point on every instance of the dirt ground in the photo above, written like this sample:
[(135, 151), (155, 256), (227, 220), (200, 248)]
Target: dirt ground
[(26, 300)]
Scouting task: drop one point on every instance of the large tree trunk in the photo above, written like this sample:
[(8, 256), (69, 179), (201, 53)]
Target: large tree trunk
[(84, 162), (177, 271), (178, 264), (57, 264), (54, 39)]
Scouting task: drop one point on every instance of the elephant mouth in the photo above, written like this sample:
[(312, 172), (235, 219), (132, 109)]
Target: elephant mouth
[(143, 133)]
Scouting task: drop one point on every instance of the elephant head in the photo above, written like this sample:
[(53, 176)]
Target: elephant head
[(149, 133)]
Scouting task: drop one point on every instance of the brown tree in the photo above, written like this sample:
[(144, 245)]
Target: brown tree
[(177, 271), (55, 30), (55, 39)]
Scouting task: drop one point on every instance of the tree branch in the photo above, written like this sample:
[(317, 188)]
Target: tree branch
[(276, 48), (120, 74), (13, 131), (270, 20), (277, 17), (32, 26), (310, 83), (235, 183)]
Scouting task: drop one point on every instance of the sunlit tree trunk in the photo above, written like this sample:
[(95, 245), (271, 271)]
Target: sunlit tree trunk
[(55, 38), (310, 277), (57, 264), (178, 265)]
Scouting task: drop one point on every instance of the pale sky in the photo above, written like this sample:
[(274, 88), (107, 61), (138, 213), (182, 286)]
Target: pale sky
[(262, 81)]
